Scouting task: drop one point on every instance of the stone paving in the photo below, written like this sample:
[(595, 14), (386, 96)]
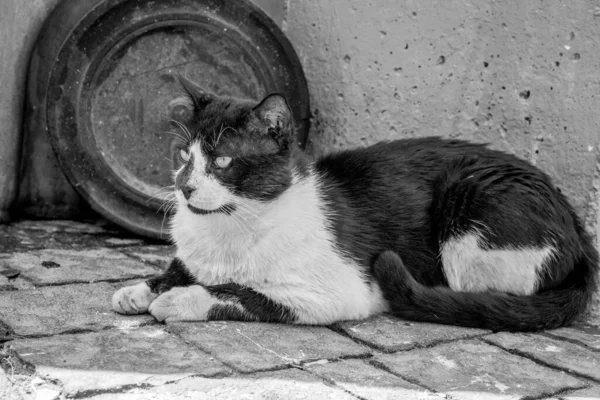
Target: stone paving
[(60, 339)]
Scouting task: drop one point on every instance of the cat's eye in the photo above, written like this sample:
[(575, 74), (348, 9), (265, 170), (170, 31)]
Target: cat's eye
[(185, 156), (222, 162)]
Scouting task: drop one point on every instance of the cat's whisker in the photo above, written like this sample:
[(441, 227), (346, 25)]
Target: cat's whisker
[(169, 197), (214, 139), (181, 138), (248, 217), (163, 193), (220, 133), (167, 187), (159, 197), (170, 206), (243, 228), (166, 206), (171, 200), (244, 212), (245, 208), (184, 129)]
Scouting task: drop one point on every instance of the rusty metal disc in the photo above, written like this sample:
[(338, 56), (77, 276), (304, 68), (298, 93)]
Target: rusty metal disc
[(112, 78)]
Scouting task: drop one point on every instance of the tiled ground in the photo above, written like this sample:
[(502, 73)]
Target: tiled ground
[(60, 339)]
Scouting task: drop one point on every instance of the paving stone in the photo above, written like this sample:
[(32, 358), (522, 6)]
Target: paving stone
[(14, 239), (115, 241), (289, 384), (391, 334), (12, 363), (9, 389), (6, 333), (20, 240), (470, 369), (364, 380), (148, 349), (10, 277), (5, 284), (52, 266), (584, 394), (258, 346), (144, 353), (157, 255), (5, 269), (561, 354), (586, 335), (79, 227), (21, 284), (25, 387), (58, 309)]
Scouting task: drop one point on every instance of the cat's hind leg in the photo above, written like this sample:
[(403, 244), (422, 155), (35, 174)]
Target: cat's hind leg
[(514, 254), (495, 224)]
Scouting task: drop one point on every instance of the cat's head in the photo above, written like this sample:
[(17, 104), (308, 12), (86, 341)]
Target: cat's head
[(232, 152)]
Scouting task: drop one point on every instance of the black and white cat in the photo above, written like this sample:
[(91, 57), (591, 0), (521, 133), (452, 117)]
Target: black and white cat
[(428, 229)]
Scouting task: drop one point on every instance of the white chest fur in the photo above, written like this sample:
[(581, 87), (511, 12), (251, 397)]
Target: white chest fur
[(283, 249)]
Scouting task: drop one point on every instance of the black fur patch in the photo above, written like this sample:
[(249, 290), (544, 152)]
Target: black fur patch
[(228, 312), (256, 304), (378, 199), (176, 275)]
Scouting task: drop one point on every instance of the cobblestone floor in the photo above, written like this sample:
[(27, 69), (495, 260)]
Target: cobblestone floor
[(60, 339)]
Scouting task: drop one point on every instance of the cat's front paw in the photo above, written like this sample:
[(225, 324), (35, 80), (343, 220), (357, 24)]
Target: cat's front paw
[(189, 303), (133, 299)]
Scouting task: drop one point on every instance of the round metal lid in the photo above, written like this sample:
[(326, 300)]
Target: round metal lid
[(114, 75)]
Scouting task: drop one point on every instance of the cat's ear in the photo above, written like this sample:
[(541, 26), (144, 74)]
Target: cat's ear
[(274, 112), (197, 96), (181, 109)]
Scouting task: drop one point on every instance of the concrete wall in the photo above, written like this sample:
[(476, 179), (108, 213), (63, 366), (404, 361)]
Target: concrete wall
[(20, 20), (521, 75)]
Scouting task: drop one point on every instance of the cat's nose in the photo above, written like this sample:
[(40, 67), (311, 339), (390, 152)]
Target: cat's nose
[(187, 191)]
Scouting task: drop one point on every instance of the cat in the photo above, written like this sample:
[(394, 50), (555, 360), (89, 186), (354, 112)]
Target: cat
[(427, 229)]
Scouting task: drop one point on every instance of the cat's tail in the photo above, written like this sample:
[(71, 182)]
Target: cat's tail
[(496, 311)]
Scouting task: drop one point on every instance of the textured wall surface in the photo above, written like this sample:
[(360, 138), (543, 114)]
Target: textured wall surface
[(20, 21), (521, 75)]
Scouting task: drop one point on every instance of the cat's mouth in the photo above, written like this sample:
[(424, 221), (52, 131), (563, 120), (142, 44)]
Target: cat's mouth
[(224, 209)]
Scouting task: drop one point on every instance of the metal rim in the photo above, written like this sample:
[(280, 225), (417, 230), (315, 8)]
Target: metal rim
[(68, 103)]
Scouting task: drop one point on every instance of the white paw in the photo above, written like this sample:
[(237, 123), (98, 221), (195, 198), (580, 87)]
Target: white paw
[(182, 304), (133, 299)]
